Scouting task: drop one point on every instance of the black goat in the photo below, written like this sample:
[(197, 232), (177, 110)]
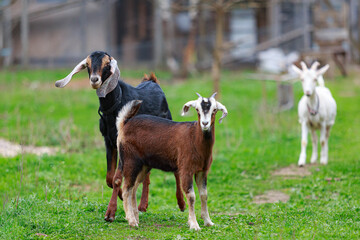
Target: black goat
[(104, 76)]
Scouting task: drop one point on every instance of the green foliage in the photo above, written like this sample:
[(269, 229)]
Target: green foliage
[(65, 196)]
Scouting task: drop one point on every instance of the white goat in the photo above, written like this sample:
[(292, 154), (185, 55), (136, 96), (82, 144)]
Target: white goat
[(316, 109)]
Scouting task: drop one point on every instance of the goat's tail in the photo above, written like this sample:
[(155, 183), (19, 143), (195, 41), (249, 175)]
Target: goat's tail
[(128, 111), (320, 81), (151, 78)]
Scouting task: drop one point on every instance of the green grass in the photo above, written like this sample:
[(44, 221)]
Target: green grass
[(65, 196)]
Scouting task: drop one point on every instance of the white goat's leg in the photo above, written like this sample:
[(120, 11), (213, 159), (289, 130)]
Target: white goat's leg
[(134, 203), (304, 134), (127, 200), (201, 182), (190, 196), (324, 137), (314, 138), (140, 178)]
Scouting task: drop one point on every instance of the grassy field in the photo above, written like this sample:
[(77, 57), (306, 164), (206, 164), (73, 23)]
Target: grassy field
[(65, 196)]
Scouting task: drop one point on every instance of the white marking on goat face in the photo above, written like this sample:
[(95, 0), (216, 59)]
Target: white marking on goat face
[(206, 108), (308, 80)]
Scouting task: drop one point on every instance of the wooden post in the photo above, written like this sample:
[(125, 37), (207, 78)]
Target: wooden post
[(158, 34), (108, 21), (7, 37), (25, 34), (83, 25), (216, 66), (274, 19), (201, 47), (305, 12), (358, 30)]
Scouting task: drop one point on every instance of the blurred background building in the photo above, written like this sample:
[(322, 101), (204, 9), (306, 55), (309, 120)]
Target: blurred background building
[(182, 35)]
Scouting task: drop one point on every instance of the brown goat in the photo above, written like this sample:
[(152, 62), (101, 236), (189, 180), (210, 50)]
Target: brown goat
[(146, 142)]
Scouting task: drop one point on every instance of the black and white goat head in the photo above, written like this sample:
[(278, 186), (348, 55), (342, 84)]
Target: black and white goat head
[(206, 109), (103, 73)]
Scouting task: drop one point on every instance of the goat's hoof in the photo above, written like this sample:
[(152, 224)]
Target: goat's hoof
[(209, 224), (301, 165), (182, 206), (110, 214), (194, 226), (323, 161), (313, 160), (142, 208), (133, 224), (109, 219)]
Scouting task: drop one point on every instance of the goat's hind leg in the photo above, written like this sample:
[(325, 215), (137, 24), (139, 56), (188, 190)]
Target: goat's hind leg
[(131, 174), (314, 154), (324, 138), (304, 135), (127, 201), (179, 193), (201, 182), (140, 178), (145, 194), (112, 207)]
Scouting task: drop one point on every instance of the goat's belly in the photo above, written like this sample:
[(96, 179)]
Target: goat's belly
[(314, 124), (161, 163)]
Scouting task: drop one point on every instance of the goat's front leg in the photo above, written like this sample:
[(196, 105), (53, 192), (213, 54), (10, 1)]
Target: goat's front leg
[(112, 207), (201, 182), (111, 160), (179, 193), (187, 185), (324, 137), (314, 154), (304, 134)]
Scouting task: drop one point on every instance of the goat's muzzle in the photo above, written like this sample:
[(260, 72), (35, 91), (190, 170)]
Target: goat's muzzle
[(95, 81)]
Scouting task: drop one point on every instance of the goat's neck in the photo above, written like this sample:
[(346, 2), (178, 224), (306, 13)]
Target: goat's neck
[(207, 138), (111, 99), (312, 100)]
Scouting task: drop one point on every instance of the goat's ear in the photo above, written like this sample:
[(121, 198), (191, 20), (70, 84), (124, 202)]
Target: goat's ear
[(62, 83), (187, 106), (222, 108), (113, 65), (296, 69), (322, 70)]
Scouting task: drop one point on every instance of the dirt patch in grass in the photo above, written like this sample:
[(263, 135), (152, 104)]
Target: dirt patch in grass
[(9, 149), (292, 171), (271, 196)]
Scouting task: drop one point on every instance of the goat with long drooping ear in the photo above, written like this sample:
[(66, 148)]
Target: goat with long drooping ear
[(104, 76), (316, 109), (147, 142)]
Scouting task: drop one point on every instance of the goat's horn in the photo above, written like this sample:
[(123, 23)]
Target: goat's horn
[(303, 66), (62, 83), (199, 95), (315, 65), (214, 94), (223, 109)]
